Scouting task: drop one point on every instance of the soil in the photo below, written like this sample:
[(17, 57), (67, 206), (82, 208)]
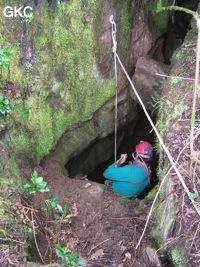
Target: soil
[(105, 228)]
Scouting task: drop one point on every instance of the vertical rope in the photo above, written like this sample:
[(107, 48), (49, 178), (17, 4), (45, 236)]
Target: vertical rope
[(114, 31)]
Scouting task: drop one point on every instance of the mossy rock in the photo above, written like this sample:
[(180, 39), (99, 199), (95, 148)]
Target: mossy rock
[(61, 43)]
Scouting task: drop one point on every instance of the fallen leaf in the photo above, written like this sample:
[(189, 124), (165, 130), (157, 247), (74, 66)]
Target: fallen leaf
[(97, 254), (71, 243), (87, 185), (127, 256), (122, 247), (73, 211)]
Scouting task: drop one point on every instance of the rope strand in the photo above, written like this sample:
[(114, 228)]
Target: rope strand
[(114, 31)]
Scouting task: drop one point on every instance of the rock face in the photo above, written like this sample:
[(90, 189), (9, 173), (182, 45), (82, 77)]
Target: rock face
[(148, 27), (63, 67), (99, 126), (142, 39), (68, 47), (147, 83)]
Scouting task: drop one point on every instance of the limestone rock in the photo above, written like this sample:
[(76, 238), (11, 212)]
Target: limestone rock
[(146, 81), (153, 257), (141, 41), (95, 191), (98, 127)]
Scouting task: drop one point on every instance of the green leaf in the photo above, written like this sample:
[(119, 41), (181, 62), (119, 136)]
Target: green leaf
[(27, 186), (8, 52), (32, 190), (192, 196), (25, 112), (60, 209), (2, 111), (1, 99), (56, 216), (6, 101), (7, 108), (39, 180), (43, 189), (41, 185), (5, 65), (34, 177), (60, 251), (82, 261)]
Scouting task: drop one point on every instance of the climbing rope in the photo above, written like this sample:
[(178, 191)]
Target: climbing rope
[(114, 33), (149, 119)]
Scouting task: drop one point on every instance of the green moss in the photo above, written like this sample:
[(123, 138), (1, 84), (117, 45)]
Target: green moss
[(177, 257), (64, 65), (40, 123), (59, 123), (178, 55), (160, 18), (14, 74), (124, 28), (174, 80)]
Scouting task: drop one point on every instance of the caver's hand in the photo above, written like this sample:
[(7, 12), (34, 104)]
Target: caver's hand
[(122, 159)]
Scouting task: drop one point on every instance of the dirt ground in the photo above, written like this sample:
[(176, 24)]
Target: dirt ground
[(105, 228)]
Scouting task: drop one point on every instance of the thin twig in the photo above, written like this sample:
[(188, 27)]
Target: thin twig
[(24, 207), (169, 76), (98, 245), (99, 264), (34, 234), (126, 218), (195, 235), (11, 240)]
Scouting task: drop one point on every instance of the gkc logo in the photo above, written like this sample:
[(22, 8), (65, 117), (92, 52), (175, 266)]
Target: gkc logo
[(13, 12)]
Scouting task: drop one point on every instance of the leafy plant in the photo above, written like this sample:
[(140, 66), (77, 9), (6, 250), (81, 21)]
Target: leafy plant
[(69, 258), (29, 67), (52, 204), (57, 209), (175, 80), (25, 112), (4, 106), (179, 56), (36, 184), (176, 256), (27, 19), (5, 55)]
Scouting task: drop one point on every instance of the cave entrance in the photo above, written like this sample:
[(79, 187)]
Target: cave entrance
[(142, 130), (179, 25)]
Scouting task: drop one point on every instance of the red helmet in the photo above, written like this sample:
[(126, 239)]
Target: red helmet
[(144, 149)]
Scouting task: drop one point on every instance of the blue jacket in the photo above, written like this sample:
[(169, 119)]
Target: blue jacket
[(129, 180)]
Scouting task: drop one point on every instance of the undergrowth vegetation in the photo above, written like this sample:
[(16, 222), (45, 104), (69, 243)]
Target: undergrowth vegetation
[(51, 215)]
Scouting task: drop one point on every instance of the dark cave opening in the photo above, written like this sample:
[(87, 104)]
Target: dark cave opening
[(178, 27), (141, 131)]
